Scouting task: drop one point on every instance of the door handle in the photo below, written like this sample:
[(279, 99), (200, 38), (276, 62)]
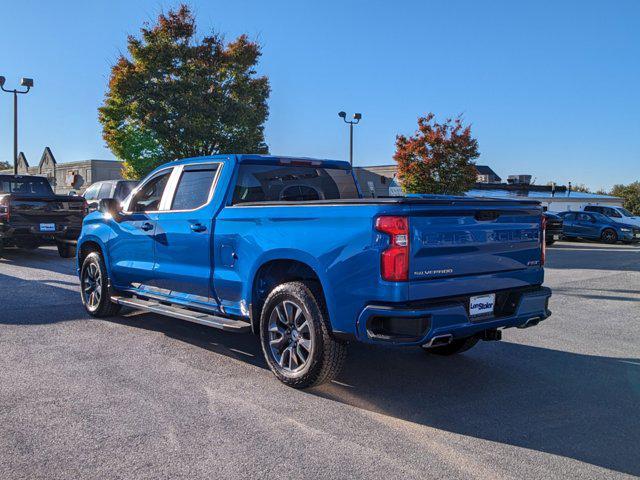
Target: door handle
[(198, 227), (146, 226)]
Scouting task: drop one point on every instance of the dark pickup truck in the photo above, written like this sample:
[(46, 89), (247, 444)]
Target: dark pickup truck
[(32, 215)]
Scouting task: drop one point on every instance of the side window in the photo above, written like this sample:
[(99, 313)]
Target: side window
[(584, 217), (194, 186), (92, 192), (105, 190), (147, 199), (613, 213), (570, 217)]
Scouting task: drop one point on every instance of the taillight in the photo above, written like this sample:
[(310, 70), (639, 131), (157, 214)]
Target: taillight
[(543, 236), (5, 212), (394, 261)]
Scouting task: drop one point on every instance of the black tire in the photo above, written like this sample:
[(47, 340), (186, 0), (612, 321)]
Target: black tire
[(303, 307), (66, 250), (458, 345), (100, 305), (609, 235)]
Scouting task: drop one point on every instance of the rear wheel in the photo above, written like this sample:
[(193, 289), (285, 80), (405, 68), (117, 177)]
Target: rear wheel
[(66, 250), (458, 345), (94, 287), (609, 236), (296, 341)]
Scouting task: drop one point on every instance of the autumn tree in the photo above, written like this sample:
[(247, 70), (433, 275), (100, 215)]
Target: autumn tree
[(438, 158), (631, 195), (177, 96)]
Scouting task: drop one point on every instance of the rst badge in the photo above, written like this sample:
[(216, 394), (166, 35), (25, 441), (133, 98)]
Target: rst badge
[(482, 304)]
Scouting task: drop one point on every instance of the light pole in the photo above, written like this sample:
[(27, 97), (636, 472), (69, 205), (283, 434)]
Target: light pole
[(355, 121), (24, 82)]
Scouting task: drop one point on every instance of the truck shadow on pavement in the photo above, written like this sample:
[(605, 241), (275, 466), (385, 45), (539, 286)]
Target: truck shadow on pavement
[(577, 406)]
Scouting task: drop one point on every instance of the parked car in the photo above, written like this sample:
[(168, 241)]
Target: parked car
[(31, 215), (596, 226), (289, 249), (118, 189), (553, 227), (618, 214)]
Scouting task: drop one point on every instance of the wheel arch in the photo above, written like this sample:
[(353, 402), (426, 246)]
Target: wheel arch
[(274, 272), (89, 245)]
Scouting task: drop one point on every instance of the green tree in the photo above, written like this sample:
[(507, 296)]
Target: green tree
[(438, 158), (631, 195), (178, 96), (5, 165), (580, 187)]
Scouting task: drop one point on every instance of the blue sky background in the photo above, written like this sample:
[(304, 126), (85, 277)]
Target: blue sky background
[(551, 88)]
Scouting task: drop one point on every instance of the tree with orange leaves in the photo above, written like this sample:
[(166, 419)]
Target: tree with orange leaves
[(438, 158), (177, 95)]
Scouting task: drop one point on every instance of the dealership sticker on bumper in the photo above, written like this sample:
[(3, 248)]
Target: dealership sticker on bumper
[(47, 227), (482, 304), (556, 237)]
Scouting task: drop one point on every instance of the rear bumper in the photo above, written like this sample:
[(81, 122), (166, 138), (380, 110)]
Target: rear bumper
[(419, 324), (16, 233)]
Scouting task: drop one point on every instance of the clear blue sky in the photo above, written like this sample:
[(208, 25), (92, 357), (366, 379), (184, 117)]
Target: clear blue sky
[(552, 88)]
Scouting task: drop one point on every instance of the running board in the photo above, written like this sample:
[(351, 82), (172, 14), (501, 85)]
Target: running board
[(184, 314)]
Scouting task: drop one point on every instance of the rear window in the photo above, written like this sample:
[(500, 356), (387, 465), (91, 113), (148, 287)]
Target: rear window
[(275, 183), (25, 186), (194, 186)]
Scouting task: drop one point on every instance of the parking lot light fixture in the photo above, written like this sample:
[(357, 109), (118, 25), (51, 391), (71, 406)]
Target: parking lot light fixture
[(28, 84), (355, 121)]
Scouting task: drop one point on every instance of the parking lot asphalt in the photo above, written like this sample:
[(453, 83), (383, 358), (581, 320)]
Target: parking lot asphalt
[(144, 396)]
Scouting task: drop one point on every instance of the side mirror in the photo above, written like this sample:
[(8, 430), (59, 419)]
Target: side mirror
[(110, 206)]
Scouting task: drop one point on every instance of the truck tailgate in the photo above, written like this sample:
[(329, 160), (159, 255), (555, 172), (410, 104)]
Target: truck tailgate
[(473, 240), (33, 211)]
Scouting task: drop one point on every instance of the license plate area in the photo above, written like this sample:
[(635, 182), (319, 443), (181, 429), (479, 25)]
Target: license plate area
[(482, 306), (47, 227)]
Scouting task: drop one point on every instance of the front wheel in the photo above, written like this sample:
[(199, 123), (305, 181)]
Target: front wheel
[(458, 345), (609, 236), (94, 287), (295, 338)]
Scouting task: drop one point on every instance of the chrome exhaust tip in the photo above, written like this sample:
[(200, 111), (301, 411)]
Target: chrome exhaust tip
[(532, 322), (439, 341)]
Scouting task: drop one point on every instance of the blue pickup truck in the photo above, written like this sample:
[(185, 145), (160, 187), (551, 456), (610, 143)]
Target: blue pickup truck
[(289, 249)]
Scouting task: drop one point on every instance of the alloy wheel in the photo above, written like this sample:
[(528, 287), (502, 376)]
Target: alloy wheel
[(290, 337), (92, 286)]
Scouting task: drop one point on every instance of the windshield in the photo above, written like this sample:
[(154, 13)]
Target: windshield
[(25, 186), (269, 183)]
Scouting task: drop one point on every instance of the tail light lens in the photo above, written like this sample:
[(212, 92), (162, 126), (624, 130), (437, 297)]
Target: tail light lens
[(5, 212), (543, 246), (394, 261)]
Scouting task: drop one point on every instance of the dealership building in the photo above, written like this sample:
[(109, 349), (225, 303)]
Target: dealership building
[(69, 176)]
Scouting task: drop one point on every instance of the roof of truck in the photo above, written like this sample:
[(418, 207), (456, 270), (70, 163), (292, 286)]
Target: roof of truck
[(268, 159)]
